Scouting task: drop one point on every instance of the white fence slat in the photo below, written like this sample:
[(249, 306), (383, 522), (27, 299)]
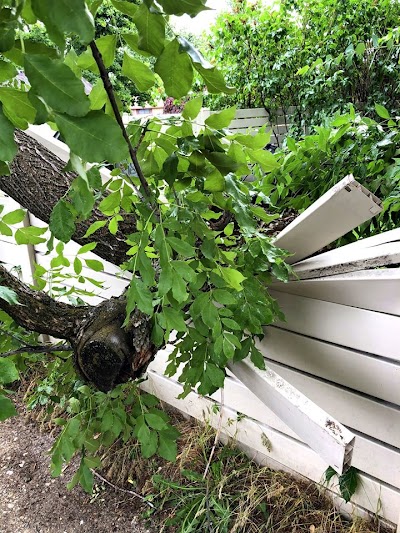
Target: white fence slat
[(287, 452), (375, 290), (369, 456), (251, 113), (326, 436), (371, 375), (344, 207), (362, 330), (247, 123), (376, 419), (351, 261)]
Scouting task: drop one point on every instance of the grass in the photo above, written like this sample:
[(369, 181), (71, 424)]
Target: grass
[(236, 495)]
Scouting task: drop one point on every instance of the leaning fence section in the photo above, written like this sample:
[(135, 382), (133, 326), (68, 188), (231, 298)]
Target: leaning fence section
[(339, 346)]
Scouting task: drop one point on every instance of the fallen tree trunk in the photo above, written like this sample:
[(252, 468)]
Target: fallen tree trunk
[(105, 352), (38, 181)]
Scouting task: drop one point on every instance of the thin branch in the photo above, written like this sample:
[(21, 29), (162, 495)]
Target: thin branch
[(120, 489), (110, 93), (39, 348), (218, 433)]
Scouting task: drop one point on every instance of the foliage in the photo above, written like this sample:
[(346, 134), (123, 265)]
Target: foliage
[(348, 482), (316, 55), (199, 262), (345, 144), (109, 21)]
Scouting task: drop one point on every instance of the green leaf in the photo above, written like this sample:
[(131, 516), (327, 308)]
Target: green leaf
[(155, 421), (17, 107), (7, 408), (62, 221), (222, 119), (175, 319), (348, 483), (132, 40), (215, 182), (182, 247), (223, 297), (189, 7), (192, 108), (149, 448), (167, 448), (89, 247), (98, 96), (107, 46), (265, 158), (29, 235), (77, 266), (68, 16), (211, 75), (257, 358), (151, 28), (95, 265), (209, 314), (4, 229), (125, 7), (8, 146), (216, 375), (139, 295), (222, 162), (329, 474), (94, 227), (7, 71), (57, 85), (94, 138), (14, 217), (233, 277), (7, 34), (138, 72), (382, 111), (177, 80), (8, 370), (9, 296)]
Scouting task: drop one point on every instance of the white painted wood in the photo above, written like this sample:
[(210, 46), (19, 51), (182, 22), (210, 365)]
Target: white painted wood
[(251, 113), (247, 123), (376, 419), (376, 377), (359, 329), (375, 290), (351, 261), (369, 456), (325, 435), (344, 207), (284, 451)]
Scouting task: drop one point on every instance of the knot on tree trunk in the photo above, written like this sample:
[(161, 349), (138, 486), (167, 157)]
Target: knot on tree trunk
[(106, 353)]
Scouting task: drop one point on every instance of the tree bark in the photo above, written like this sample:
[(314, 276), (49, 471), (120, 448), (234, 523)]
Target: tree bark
[(38, 181), (105, 352)]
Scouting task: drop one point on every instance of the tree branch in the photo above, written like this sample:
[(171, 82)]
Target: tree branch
[(110, 92), (39, 348)]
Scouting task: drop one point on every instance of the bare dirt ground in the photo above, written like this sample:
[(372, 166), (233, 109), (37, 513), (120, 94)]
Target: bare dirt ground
[(32, 501)]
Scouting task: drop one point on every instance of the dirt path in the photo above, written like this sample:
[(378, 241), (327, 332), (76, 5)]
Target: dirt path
[(31, 501)]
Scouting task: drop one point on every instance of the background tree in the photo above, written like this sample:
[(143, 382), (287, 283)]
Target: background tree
[(318, 56)]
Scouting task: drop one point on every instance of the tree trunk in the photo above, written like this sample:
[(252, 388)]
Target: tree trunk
[(37, 182), (105, 352)]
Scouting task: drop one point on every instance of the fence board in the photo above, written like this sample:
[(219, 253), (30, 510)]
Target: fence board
[(344, 207), (376, 377), (351, 261), (365, 331), (386, 461), (287, 452), (375, 290)]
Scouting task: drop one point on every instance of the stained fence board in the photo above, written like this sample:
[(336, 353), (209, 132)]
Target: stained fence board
[(344, 207), (374, 290), (284, 452), (326, 436), (369, 456), (359, 329), (374, 376)]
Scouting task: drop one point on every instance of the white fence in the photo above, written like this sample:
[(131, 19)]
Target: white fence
[(339, 346)]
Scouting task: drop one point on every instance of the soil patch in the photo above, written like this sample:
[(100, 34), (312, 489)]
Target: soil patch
[(32, 501)]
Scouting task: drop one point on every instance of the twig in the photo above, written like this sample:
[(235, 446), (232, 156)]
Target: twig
[(40, 348), (120, 489), (110, 93), (216, 436)]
